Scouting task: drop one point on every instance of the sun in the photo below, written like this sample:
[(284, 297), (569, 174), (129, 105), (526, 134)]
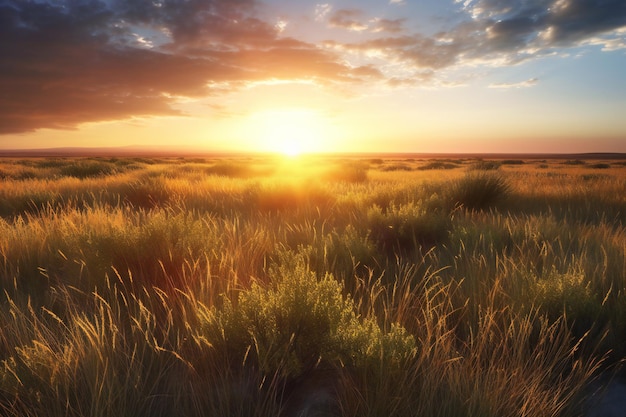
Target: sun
[(291, 149), (290, 132), (290, 135)]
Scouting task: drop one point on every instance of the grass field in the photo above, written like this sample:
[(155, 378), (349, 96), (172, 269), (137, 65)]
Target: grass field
[(312, 286)]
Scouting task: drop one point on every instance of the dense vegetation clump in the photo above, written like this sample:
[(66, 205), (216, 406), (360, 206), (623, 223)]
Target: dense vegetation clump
[(482, 165), (299, 322), (438, 165), (479, 191)]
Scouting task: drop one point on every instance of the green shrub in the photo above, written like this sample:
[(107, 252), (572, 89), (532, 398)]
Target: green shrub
[(298, 322), (348, 252), (567, 295)]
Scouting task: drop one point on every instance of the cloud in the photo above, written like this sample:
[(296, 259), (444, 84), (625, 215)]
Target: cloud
[(67, 63), (368, 72), (281, 25), (322, 10), (63, 63), (193, 20), (522, 84), (349, 19), (550, 23), (502, 33), (610, 43), (416, 50), (387, 25), (356, 20)]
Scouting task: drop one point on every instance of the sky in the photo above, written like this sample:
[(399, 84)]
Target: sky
[(443, 76)]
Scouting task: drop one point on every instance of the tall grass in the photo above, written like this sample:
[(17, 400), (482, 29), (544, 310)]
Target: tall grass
[(169, 287), (479, 191)]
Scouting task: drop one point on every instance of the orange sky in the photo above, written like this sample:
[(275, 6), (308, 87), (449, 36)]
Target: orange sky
[(367, 76)]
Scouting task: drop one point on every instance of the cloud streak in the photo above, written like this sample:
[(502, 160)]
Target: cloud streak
[(522, 84)]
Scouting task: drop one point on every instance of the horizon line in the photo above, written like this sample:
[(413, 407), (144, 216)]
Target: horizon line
[(171, 151)]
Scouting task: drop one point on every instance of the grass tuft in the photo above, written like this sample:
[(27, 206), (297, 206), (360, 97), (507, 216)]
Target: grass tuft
[(349, 172), (600, 165), (438, 165), (406, 227), (88, 169), (479, 191), (485, 165)]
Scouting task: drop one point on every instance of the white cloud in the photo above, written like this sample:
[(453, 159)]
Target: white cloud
[(611, 42), (142, 42), (322, 10), (281, 25), (522, 84)]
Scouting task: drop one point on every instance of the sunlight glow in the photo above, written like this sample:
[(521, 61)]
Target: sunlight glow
[(290, 132)]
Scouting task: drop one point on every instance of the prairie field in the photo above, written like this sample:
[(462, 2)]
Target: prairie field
[(311, 286)]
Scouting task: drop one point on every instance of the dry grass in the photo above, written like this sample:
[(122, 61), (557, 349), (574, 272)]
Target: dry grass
[(259, 287)]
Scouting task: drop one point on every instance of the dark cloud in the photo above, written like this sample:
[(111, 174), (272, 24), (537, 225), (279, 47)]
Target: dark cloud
[(555, 23), (512, 32), (503, 32), (69, 62), (225, 23), (188, 20), (497, 9), (576, 20)]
